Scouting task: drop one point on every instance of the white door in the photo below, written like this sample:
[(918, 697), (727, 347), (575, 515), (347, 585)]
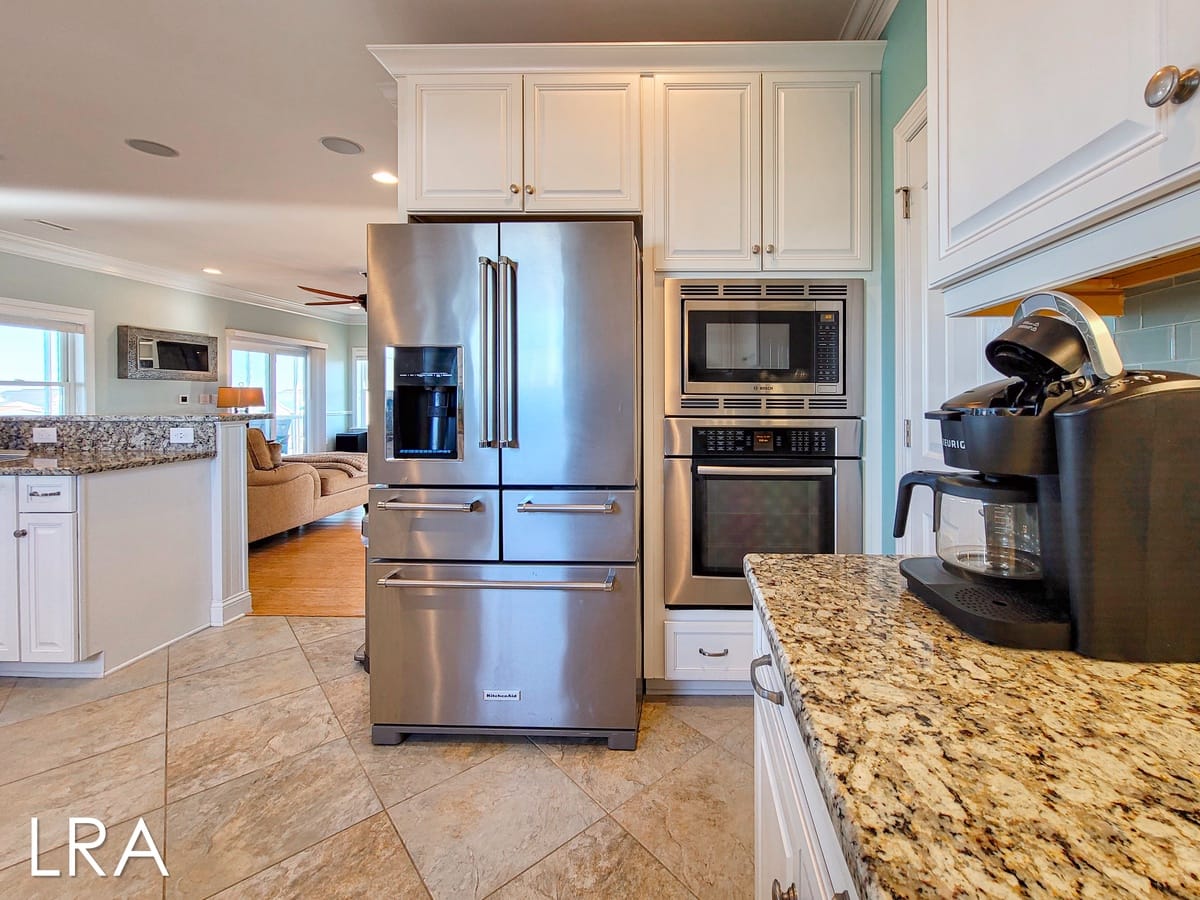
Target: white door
[(708, 136), (816, 149), (936, 357), (583, 140), (1041, 123), (47, 568), (10, 622), (462, 142)]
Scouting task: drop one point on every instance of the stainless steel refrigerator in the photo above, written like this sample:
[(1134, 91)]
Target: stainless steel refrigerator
[(503, 587)]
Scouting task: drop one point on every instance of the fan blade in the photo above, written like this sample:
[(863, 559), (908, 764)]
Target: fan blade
[(331, 302), (313, 290)]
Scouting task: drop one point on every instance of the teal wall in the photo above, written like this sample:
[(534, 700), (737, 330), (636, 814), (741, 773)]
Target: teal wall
[(901, 81), (121, 301)]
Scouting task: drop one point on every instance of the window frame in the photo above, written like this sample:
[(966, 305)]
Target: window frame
[(316, 437), (358, 396), (80, 387)]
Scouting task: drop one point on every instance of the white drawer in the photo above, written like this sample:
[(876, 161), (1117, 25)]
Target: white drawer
[(46, 493), (709, 651)]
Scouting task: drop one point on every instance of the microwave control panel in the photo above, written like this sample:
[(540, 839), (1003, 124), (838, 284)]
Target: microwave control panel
[(764, 442), (829, 348)]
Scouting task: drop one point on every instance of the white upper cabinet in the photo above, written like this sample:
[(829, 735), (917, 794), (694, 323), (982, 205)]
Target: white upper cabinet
[(1039, 124), (764, 171), (504, 143)]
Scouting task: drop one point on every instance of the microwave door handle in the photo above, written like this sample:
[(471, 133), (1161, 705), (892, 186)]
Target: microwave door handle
[(761, 471), (487, 350), (508, 375)]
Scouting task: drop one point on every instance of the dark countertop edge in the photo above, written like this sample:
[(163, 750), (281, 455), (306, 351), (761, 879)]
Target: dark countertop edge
[(78, 464)]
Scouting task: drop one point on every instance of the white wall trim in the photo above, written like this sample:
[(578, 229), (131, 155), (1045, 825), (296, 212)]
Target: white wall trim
[(73, 315), (59, 254), (277, 340), (649, 56), (229, 609), (866, 19)]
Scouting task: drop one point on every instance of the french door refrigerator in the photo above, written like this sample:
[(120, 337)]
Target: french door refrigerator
[(503, 588)]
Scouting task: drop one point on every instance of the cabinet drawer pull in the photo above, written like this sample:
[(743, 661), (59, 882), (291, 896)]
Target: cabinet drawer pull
[(842, 895), (775, 697), (45, 493), (778, 893), (20, 532), (704, 652)]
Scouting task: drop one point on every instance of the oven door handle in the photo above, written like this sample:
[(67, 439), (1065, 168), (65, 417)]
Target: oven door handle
[(761, 471)]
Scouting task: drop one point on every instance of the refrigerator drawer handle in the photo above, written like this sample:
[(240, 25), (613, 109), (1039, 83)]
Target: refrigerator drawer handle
[(528, 506), (393, 581), (469, 506), (761, 471), (775, 697)]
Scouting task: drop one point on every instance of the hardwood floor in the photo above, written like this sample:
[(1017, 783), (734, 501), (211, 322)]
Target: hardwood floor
[(316, 570)]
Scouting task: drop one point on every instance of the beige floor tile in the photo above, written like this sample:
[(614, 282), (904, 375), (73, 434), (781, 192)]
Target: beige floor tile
[(310, 629), (139, 880), (112, 787), (350, 698), (38, 696), (366, 860), (333, 657), (603, 862), (248, 637), (220, 836), (473, 833), (699, 822), (217, 750), (6, 686), (218, 691), (729, 721), (47, 742), (611, 777)]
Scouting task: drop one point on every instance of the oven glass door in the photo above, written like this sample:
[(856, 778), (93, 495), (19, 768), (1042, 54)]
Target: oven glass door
[(739, 509)]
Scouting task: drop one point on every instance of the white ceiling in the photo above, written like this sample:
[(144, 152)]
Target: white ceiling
[(244, 89)]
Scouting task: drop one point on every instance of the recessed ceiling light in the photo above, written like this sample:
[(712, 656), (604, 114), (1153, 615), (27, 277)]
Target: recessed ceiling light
[(209, 270), (154, 148), (385, 178), (341, 145)]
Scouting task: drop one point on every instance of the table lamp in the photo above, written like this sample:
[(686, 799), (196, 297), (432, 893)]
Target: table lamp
[(234, 397)]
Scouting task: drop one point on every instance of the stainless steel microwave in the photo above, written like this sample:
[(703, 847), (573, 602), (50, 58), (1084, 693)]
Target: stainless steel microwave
[(764, 347)]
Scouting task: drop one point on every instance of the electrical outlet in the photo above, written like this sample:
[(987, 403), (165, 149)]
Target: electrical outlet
[(182, 435), (207, 399), (184, 398), (45, 435)]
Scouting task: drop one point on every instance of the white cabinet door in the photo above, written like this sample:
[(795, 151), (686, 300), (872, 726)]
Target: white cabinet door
[(582, 142), (10, 622), (816, 171), (461, 140), (708, 159), (775, 844), (47, 573), (1039, 127)]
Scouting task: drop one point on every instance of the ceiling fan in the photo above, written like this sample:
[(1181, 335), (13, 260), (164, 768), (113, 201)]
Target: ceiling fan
[(343, 299)]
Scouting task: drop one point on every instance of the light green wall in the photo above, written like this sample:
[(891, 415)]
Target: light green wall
[(120, 301), (901, 81)]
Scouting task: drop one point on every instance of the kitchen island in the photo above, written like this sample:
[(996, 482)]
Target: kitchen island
[(953, 768)]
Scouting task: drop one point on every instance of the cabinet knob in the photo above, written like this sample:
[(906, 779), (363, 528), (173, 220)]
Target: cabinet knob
[(770, 248), (529, 188), (20, 532), (514, 188), (754, 248), (778, 893), (1168, 83)]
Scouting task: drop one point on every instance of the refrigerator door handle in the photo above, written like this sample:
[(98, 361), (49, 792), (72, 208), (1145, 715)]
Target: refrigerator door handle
[(391, 580), (508, 375), (487, 349)]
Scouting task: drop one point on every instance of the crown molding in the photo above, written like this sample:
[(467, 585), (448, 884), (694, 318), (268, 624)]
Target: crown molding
[(648, 57), (866, 19), (60, 254)]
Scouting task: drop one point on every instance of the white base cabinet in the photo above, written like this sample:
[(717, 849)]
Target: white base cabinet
[(797, 854), (10, 598)]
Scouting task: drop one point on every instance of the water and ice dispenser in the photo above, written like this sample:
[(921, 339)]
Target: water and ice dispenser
[(423, 416)]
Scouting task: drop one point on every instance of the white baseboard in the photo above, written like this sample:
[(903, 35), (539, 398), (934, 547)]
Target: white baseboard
[(89, 668), (665, 687), (229, 609)]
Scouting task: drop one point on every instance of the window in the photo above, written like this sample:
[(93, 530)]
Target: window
[(45, 362), (361, 407), (283, 368)]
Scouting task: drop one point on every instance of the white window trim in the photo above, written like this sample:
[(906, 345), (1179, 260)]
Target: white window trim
[(317, 438), (49, 313), (356, 353)]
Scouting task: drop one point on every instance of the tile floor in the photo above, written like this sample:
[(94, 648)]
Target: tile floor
[(247, 752)]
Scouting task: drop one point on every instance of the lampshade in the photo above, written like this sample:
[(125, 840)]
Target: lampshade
[(228, 397)]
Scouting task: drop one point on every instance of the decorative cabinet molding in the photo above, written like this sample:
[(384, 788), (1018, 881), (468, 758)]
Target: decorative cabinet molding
[(1030, 148)]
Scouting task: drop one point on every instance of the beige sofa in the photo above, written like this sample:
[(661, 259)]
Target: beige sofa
[(284, 493)]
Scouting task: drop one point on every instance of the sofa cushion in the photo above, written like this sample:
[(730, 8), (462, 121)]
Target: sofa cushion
[(256, 448), (276, 449), (334, 481)]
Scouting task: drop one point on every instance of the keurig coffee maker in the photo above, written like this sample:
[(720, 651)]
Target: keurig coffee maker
[(1079, 527)]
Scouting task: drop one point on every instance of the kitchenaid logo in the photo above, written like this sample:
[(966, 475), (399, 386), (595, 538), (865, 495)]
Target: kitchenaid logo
[(764, 387), (82, 846), (953, 444), (501, 695)]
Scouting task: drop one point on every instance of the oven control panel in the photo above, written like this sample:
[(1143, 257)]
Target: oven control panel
[(763, 441)]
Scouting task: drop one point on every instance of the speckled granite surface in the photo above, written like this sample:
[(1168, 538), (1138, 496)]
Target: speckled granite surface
[(953, 768), (89, 462), (115, 433)]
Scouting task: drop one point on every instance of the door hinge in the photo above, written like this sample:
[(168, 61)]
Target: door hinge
[(908, 432), (904, 212)]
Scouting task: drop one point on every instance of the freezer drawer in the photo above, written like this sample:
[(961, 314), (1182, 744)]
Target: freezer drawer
[(519, 647), (569, 526), (411, 523)]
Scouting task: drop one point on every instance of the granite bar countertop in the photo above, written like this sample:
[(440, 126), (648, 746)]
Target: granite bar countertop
[(953, 768), (89, 462)]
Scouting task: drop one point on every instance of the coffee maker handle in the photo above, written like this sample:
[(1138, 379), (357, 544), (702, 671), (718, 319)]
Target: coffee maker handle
[(904, 498)]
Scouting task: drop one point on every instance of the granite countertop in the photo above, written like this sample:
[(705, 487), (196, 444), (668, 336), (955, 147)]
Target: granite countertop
[(89, 462), (953, 768)]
